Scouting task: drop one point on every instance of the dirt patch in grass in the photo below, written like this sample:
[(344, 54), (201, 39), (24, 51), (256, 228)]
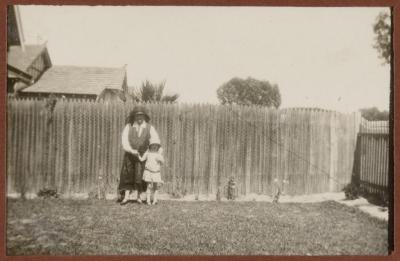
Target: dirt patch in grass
[(93, 227)]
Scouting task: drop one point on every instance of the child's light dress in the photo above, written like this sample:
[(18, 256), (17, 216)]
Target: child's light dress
[(152, 170)]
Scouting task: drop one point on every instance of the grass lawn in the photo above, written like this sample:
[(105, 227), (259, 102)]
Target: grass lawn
[(94, 227)]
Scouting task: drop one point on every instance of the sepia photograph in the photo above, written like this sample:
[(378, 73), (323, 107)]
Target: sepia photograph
[(199, 130)]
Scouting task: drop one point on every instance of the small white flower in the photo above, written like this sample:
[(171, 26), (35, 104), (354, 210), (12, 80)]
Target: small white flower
[(275, 180)]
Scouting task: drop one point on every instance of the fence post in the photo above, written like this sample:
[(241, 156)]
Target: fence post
[(355, 178), (70, 160), (333, 154)]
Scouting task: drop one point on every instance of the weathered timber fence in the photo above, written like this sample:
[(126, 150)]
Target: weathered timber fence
[(77, 147), (372, 162)]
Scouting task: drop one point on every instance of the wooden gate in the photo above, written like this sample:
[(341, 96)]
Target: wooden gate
[(372, 158)]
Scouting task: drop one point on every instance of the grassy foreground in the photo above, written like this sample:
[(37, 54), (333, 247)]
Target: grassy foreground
[(94, 227)]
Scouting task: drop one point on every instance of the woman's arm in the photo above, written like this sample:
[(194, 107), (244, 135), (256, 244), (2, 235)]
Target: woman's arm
[(125, 141), (144, 157)]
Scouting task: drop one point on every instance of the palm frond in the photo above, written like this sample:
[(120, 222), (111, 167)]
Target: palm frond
[(149, 92), (170, 98)]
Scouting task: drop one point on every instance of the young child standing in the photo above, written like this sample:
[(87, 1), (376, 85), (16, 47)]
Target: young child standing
[(152, 171)]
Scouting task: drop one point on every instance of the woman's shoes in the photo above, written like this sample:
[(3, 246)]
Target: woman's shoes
[(139, 201), (124, 202)]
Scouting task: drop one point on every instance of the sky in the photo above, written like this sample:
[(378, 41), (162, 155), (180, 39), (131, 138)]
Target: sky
[(319, 57)]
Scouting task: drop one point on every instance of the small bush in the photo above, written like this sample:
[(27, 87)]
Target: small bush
[(351, 191), (97, 193), (385, 200), (379, 199), (48, 193), (178, 193), (232, 191), (93, 194), (219, 196)]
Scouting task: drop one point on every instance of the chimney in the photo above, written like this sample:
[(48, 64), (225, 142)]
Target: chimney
[(19, 26)]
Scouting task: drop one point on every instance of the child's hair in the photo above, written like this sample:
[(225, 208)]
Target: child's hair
[(154, 146)]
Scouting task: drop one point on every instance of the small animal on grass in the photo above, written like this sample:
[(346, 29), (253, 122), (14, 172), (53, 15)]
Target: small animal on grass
[(152, 171)]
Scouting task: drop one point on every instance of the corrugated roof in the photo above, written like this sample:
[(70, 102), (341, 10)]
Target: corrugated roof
[(20, 59), (78, 80), (374, 126)]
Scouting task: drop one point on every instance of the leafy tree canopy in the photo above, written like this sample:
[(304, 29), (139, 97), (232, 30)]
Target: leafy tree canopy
[(382, 30), (373, 114), (249, 91)]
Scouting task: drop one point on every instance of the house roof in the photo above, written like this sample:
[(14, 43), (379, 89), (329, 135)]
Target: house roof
[(78, 80), (22, 59), (374, 126), (21, 75)]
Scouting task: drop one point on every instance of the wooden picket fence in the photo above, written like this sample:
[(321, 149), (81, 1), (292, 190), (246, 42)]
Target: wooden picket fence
[(372, 160), (76, 148)]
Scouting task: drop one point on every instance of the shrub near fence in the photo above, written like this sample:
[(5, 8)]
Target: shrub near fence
[(77, 147)]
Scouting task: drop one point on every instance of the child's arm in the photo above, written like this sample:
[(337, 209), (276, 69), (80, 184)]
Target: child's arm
[(160, 158)]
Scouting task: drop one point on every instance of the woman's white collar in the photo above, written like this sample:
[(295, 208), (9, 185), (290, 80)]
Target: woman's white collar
[(141, 125)]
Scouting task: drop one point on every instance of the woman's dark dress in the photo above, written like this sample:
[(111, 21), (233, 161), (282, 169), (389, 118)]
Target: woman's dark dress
[(132, 169)]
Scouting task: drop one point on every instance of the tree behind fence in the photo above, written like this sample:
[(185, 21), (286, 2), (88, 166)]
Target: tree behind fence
[(77, 147)]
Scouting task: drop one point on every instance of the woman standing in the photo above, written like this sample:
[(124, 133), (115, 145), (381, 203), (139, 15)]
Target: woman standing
[(136, 137)]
